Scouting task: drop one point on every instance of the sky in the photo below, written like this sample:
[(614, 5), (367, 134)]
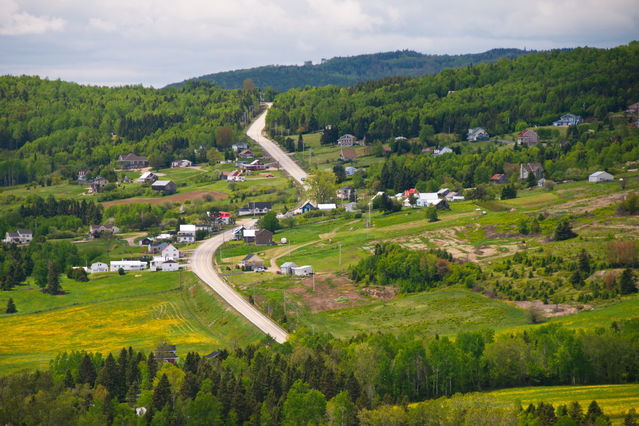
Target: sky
[(157, 42)]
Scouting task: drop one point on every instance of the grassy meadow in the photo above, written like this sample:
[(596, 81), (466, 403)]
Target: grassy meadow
[(615, 400), (112, 311)]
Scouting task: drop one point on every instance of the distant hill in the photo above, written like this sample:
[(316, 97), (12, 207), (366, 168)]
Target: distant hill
[(348, 71)]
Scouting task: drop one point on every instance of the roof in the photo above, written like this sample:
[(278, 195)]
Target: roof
[(161, 183), (600, 173), (348, 153), (249, 233), (428, 196), (523, 132), (251, 256), (128, 262), (531, 167), (223, 214), (328, 206), (24, 231), (146, 175), (347, 135), (497, 176), (187, 228), (288, 265), (131, 157), (259, 205)]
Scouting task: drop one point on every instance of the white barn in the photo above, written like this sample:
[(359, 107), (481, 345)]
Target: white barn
[(302, 271), (128, 265), (287, 267), (600, 177), (98, 267)]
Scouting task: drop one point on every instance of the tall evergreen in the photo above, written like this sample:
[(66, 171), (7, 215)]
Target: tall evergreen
[(11, 307), (162, 393), (627, 282), (53, 279), (86, 371)]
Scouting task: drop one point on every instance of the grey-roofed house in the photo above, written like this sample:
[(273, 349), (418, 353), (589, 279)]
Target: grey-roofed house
[(477, 134), (260, 207), (164, 186), (132, 161)]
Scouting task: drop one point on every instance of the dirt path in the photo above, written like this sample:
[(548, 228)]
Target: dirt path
[(131, 240), (274, 268)]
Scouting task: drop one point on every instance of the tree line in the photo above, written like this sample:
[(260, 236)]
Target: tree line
[(314, 377), (58, 127), (502, 97)]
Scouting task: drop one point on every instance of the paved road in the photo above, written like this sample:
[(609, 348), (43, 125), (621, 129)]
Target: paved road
[(272, 148), (202, 266)]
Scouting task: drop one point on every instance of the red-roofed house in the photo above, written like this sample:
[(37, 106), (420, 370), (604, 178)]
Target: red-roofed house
[(410, 192), (528, 137), (499, 178)]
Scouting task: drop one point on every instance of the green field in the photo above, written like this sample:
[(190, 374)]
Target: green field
[(445, 311), (615, 400), (113, 311)]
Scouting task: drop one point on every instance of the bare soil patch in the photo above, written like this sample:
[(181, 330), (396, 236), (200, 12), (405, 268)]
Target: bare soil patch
[(331, 292), (589, 204), (170, 198), (553, 310)]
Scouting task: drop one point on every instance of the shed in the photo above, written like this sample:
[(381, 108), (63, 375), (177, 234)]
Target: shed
[(302, 271), (600, 176), (287, 267)]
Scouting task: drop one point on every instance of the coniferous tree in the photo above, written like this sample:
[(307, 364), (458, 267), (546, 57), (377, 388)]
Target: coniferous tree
[(564, 231), (584, 261), (109, 376), (86, 372), (68, 379), (162, 393), (11, 307), (300, 143), (53, 279), (627, 282)]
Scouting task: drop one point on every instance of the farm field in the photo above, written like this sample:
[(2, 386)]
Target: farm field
[(113, 311), (615, 400)]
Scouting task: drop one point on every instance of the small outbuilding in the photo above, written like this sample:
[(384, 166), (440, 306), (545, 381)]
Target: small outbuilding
[(600, 176), (251, 262), (302, 271), (287, 267)]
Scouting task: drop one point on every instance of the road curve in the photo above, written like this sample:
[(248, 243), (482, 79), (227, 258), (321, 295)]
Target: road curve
[(272, 148), (202, 266)]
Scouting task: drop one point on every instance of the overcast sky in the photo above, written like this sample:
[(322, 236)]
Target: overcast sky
[(156, 42)]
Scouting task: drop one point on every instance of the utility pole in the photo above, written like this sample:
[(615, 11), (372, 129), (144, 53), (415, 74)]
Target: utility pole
[(340, 253)]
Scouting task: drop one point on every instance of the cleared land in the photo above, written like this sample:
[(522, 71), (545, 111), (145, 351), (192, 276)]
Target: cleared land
[(615, 400), (114, 311), (171, 198)]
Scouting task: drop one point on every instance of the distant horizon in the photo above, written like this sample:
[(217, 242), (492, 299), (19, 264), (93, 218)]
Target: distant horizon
[(314, 63), (156, 42)]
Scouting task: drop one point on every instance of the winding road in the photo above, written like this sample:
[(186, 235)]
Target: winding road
[(201, 260), (272, 148)]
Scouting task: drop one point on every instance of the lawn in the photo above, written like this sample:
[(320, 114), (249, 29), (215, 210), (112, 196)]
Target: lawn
[(113, 311), (615, 400), (444, 311)]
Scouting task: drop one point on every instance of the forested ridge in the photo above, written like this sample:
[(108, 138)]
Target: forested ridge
[(314, 379), (54, 126), (501, 97), (347, 71)]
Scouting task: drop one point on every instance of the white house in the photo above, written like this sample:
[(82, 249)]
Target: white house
[(186, 234), (181, 163), (568, 120), (600, 177), (347, 140), (160, 263), (170, 252), (21, 236), (302, 271), (350, 171), (442, 151), (328, 206), (238, 233), (427, 199), (98, 267), (147, 177), (128, 265), (287, 267), (477, 134)]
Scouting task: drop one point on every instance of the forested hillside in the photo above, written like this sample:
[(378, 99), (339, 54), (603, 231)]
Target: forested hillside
[(347, 71), (501, 97), (55, 126)]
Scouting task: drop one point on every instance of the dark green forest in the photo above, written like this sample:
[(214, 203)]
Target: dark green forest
[(316, 379), (55, 126), (347, 71), (502, 97)]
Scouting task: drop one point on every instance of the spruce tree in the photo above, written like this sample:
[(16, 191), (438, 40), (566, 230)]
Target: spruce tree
[(162, 393), (584, 261), (11, 307), (564, 231), (86, 372), (300, 143), (626, 282), (53, 279), (68, 380)]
